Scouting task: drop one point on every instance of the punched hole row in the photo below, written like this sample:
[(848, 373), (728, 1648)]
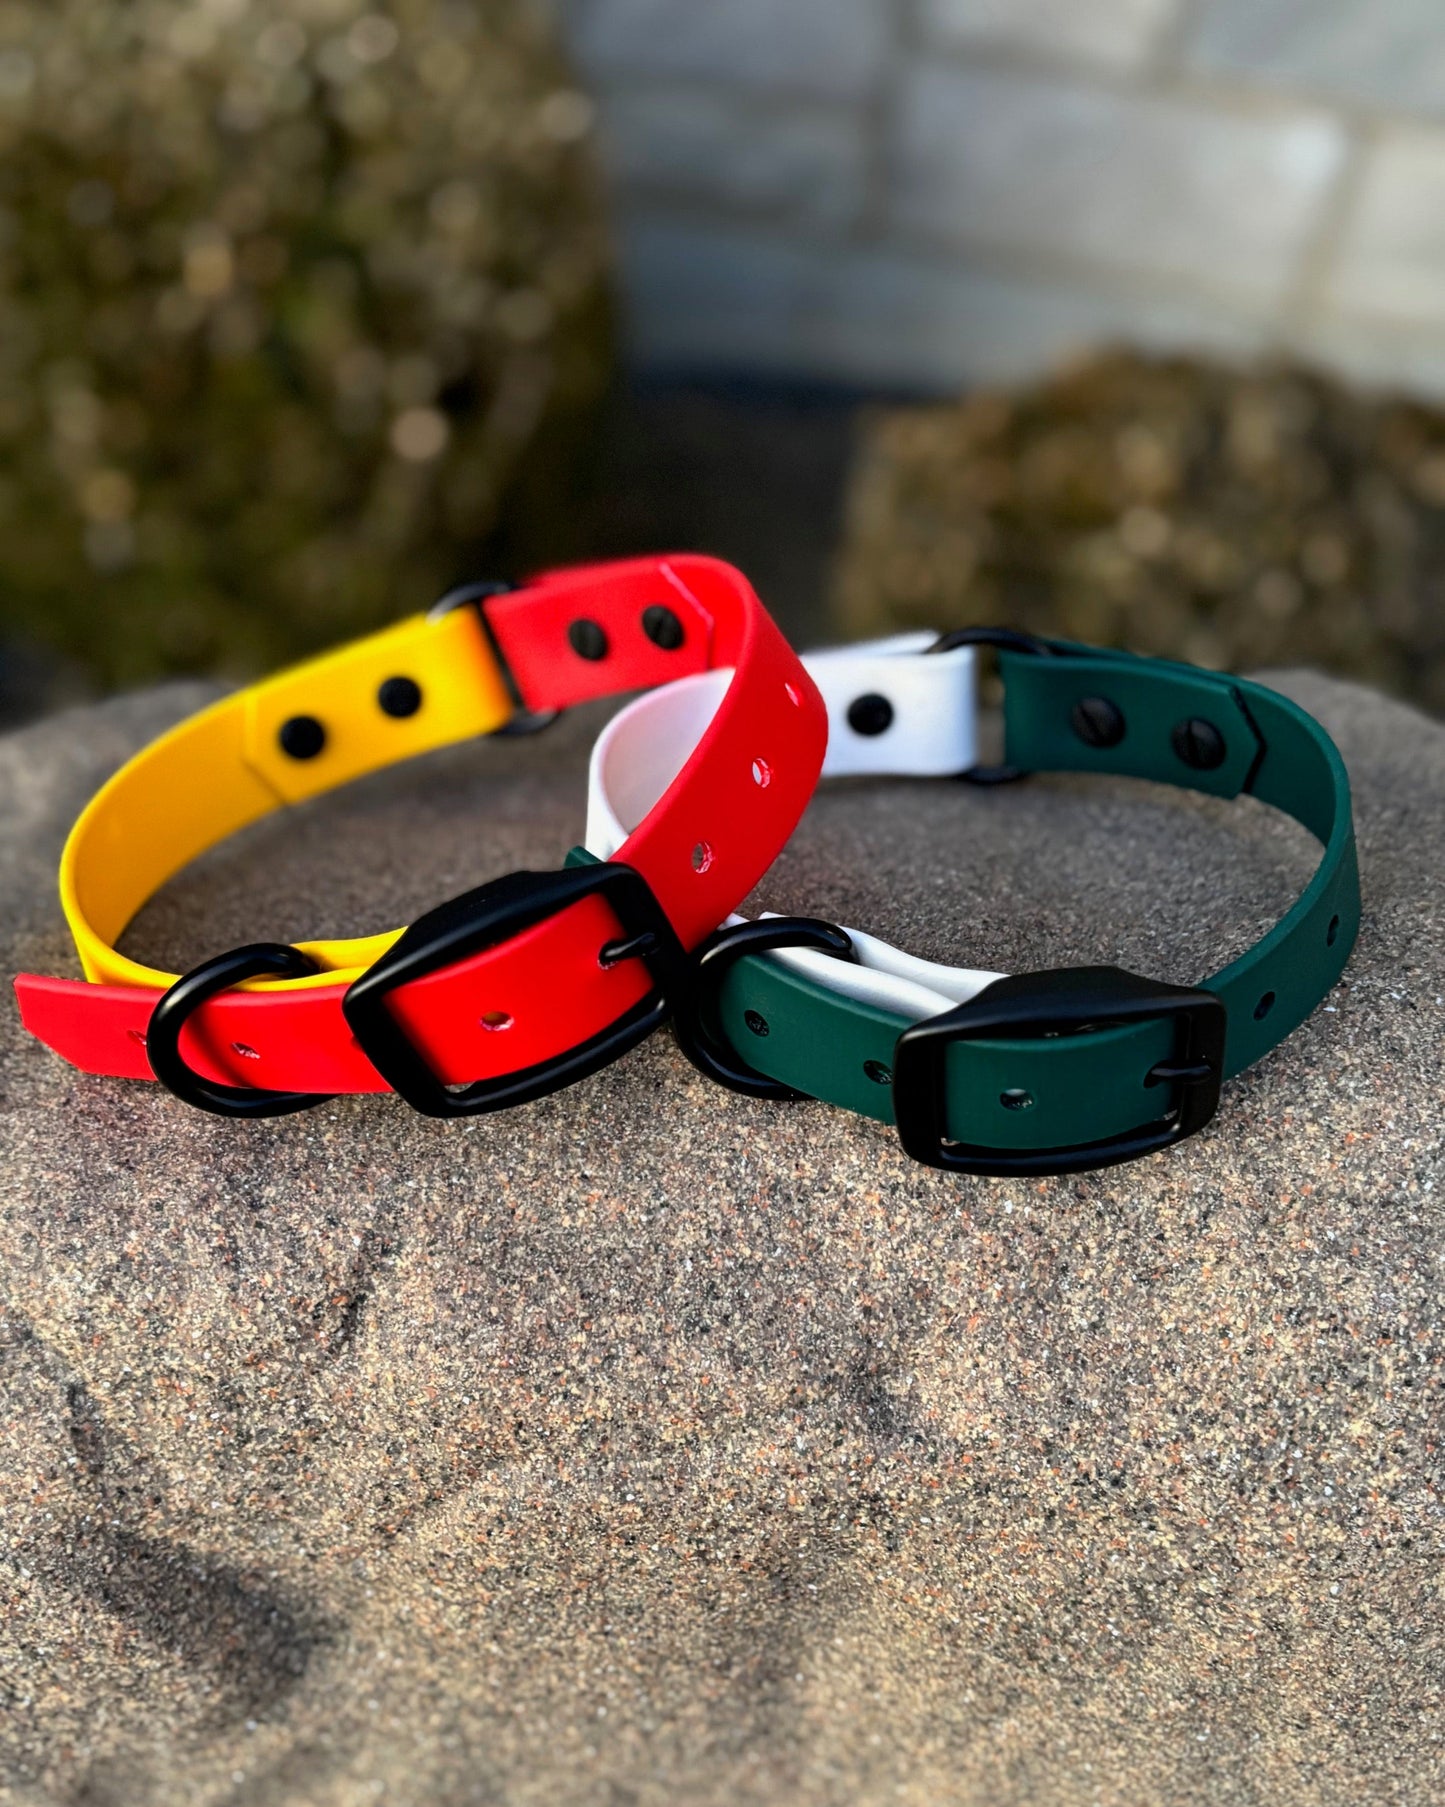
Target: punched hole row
[(703, 854), (875, 1070)]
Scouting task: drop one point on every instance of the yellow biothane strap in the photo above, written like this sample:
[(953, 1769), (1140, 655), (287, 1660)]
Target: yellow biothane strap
[(225, 768)]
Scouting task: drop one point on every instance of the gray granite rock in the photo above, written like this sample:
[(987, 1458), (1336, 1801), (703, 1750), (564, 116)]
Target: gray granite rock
[(649, 1445)]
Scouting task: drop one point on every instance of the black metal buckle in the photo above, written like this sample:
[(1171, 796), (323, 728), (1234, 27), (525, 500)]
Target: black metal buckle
[(709, 968), (1007, 639), (483, 918), (262, 959), (473, 596), (1067, 1002)]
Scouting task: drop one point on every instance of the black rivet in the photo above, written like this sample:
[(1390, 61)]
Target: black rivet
[(587, 639), (877, 1072), (1097, 721), (1199, 744), (302, 737), (871, 714), (758, 1024), (662, 627), (399, 697)]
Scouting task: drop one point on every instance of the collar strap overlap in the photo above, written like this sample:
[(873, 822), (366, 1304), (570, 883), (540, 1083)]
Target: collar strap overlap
[(986, 1074), (520, 1003)]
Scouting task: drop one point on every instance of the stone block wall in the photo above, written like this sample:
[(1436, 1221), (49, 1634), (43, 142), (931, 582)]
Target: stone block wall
[(919, 193)]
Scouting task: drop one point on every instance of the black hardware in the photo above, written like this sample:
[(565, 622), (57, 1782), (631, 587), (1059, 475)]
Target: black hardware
[(709, 968), (262, 959), (634, 947), (470, 596), (1199, 744), (1006, 639), (474, 596), (1071, 1001), (301, 737), (662, 627), (484, 918), (1098, 721)]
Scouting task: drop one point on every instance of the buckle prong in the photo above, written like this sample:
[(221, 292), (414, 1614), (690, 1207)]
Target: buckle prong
[(636, 947), (1190, 1072)]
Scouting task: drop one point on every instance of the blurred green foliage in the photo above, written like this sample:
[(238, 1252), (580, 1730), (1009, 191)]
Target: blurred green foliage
[(299, 301), (1236, 518)]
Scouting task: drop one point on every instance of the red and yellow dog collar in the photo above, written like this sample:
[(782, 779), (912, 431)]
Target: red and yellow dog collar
[(510, 991)]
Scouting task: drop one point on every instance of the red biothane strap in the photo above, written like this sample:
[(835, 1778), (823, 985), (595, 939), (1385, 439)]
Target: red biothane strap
[(709, 839)]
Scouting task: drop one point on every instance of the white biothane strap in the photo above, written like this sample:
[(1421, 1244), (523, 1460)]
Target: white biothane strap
[(932, 734)]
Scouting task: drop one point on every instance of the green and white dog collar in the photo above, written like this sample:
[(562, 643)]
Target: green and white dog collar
[(1039, 1073)]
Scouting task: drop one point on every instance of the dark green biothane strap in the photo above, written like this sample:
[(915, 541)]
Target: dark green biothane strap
[(1085, 1091)]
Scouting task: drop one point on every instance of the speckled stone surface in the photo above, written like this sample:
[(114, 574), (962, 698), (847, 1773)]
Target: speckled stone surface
[(653, 1446)]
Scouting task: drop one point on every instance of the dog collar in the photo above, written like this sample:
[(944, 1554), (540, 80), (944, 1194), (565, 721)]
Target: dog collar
[(1039, 1073), (510, 991)]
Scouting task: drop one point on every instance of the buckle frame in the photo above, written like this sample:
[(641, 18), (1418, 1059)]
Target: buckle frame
[(1064, 1002), (486, 917)]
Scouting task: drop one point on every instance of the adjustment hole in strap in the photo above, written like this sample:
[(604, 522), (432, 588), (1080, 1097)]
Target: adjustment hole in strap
[(1263, 1007), (790, 691), (1016, 1099), (758, 1024), (138, 1036), (1332, 933), (762, 774), (877, 1072), (245, 1050), (702, 857), (496, 1020)]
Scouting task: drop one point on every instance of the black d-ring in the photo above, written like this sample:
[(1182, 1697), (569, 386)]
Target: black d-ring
[(263, 959), (1006, 639), (710, 966), (473, 596)]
